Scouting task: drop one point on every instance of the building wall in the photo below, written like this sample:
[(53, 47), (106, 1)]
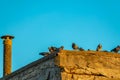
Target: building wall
[(89, 65)]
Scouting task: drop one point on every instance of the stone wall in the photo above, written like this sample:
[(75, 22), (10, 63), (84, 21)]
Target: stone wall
[(89, 65)]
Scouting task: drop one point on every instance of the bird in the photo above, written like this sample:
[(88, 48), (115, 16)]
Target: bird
[(52, 49), (116, 49), (75, 47), (99, 47), (61, 48), (44, 53), (81, 49), (55, 49)]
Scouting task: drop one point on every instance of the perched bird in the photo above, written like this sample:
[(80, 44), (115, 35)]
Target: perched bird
[(75, 47), (89, 50), (116, 49), (99, 47), (55, 49), (81, 49), (61, 48), (52, 49), (44, 53)]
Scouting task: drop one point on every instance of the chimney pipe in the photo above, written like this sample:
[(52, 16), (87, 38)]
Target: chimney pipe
[(7, 54)]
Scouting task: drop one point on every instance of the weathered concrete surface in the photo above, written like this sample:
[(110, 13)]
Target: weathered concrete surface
[(71, 65), (89, 65)]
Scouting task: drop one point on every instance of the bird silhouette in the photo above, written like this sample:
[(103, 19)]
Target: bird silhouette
[(99, 47), (81, 49), (75, 47), (55, 49), (52, 49), (116, 49), (61, 48)]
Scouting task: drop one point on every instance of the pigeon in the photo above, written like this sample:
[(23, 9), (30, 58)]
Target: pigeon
[(116, 50), (75, 47), (81, 49), (61, 48), (99, 47), (55, 49), (52, 49)]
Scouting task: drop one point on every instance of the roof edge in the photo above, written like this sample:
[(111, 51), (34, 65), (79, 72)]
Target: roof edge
[(31, 65)]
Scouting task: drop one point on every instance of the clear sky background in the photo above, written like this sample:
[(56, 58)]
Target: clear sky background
[(39, 24)]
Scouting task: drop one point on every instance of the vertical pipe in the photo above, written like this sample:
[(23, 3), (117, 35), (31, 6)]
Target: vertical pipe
[(7, 54)]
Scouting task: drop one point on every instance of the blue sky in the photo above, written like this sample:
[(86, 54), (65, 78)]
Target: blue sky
[(38, 24)]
